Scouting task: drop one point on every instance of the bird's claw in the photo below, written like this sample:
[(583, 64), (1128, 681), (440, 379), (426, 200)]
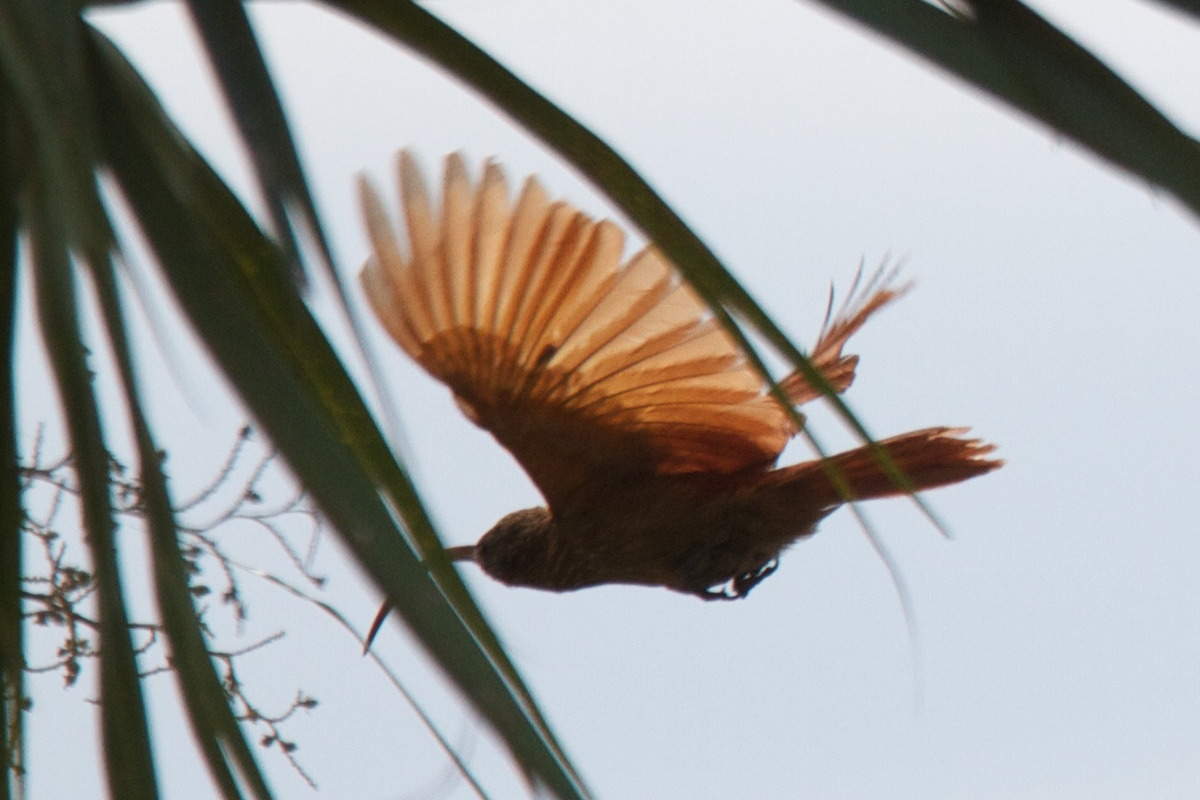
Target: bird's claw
[(741, 585)]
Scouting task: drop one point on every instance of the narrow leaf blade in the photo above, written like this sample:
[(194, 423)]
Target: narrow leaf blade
[(235, 55), (125, 732), (220, 269), (12, 626)]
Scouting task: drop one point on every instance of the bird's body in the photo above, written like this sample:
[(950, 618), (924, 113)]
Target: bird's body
[(652, 440), (712, 535), (691, 534)]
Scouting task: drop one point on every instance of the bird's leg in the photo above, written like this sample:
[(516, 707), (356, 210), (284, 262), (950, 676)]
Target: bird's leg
[(743, 583), (717, 594)]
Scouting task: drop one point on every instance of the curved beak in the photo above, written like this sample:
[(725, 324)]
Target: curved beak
[(465, 552)]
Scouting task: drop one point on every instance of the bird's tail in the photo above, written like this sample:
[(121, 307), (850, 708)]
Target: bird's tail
[(863, 300), (925, 459)]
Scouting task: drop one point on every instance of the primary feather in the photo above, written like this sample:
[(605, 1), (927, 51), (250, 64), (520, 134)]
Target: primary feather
[(580, 364)]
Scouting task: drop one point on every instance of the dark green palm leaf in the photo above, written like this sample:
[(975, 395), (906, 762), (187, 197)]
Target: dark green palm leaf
[(12, 661), (42, 62), (1188, 6), (127, 751), (238, 61), (215, 728), (224, 274), (1010, 52)]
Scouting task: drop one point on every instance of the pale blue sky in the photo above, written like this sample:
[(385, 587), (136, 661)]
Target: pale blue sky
[(1055, 313)]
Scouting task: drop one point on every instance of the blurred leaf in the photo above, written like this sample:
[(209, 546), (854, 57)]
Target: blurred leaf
[(1012, 53), (215, 729), (222, 271), (1077, 93), (246, 82), (127, 754), (41, 63), (1187, 6), (12, 662), (235, 55)]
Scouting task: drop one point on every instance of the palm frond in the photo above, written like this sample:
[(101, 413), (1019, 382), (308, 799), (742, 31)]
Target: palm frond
[(1009, 51)]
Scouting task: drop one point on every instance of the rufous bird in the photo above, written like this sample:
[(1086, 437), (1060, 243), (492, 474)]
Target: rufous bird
[(644, 427)]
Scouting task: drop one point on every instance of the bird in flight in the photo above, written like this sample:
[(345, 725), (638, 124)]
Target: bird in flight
[(651, 438)]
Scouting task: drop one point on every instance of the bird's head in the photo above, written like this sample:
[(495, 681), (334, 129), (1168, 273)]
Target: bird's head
[(515, 551)]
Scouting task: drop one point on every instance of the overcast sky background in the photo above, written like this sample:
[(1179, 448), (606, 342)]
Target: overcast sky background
[(1055, 313)]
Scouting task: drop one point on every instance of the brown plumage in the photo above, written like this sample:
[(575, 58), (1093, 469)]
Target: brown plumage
[(650, 437)]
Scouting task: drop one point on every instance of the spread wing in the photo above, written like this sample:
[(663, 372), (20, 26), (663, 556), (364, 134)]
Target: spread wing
[(586, 368)]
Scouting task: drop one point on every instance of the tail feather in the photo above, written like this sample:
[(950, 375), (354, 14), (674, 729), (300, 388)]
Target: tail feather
[(926, 459), (862, 301)]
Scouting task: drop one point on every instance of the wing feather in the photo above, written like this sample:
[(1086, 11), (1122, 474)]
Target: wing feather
[(415, 285), (826, 356), (607, 320), (558, 234), (458, 226), (588, 370)]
